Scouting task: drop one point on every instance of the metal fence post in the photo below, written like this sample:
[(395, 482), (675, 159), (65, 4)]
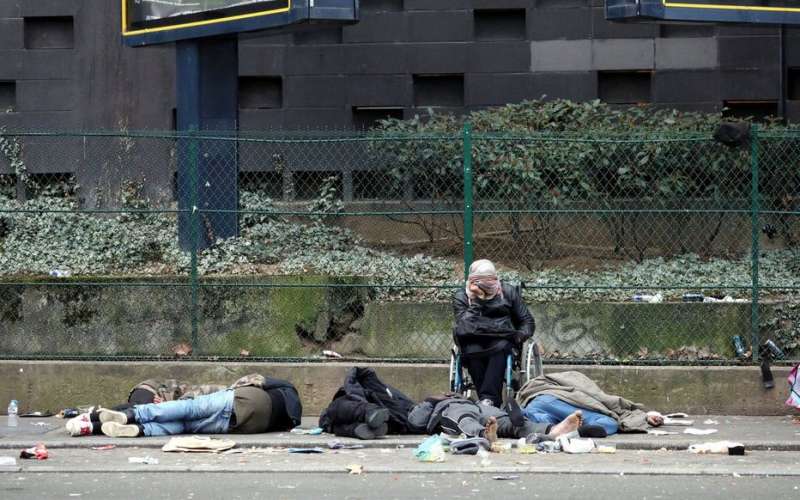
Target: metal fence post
[(194, 161), (468, 198), (755, 207)]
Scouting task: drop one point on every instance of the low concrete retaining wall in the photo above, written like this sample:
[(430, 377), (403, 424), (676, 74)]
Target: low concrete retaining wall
[(305, 318), (40, 385)]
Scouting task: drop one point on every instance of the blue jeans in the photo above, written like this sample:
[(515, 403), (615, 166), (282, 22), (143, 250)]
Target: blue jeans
[(547, 409), (208, 414)]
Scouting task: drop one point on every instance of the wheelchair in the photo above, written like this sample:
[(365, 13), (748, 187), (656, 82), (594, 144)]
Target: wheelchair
[(523, 364)]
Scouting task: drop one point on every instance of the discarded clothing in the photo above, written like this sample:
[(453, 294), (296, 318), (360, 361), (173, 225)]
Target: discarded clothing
[(794, 388)]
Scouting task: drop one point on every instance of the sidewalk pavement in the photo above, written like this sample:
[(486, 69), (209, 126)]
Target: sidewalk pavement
[(756, 433)]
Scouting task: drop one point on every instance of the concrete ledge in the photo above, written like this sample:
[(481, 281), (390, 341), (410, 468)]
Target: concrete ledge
[(41, 385)]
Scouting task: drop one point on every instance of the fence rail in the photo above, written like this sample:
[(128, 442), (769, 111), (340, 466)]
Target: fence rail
[(281, 246)]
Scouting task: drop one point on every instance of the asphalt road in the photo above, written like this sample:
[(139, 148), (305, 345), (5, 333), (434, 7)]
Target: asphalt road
[(118, 486)]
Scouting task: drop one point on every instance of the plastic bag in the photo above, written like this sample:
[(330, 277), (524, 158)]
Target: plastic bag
[(430, 450)]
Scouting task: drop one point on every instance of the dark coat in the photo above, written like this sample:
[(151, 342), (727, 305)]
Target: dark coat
[(489, 326), (363, 384)]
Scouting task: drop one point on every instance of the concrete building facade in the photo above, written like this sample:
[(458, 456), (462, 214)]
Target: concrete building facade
[(63, 66)]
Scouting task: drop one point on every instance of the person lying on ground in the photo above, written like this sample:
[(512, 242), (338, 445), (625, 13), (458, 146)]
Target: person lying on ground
[(254, 404), (365, 407), (550, 397), (453, 414), (148, 391), (491, 319)]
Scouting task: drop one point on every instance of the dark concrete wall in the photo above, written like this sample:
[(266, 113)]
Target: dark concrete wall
[(403, 57)]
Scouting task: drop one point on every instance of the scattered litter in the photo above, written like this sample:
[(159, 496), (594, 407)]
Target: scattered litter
[(60, 273), (676, 415), (338, 445), (736, 474), (39, 452), (710, 422), (718, 447), (484, 456), (253, 450), (103, 448), (699, 432), (143, 460), (606, 448), (316, 431), (524, 448), (576, 445), (650, 299), (198, 444), (522, 462), (669, 420), (244, 353), (469, 446), (355, 469), (659, 432), (386, 450), (306, 451), (37, 414), (498, 447), (505, 478), (40, 424), (68, 413), (331, 354), (7, 461), (75, 494), (431, 450), (549, 446)]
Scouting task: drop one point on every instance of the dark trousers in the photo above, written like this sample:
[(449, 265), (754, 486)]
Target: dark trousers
[(346, 413), (487, 373)]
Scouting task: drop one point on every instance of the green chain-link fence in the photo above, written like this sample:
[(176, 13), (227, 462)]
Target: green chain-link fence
[(286, 245)]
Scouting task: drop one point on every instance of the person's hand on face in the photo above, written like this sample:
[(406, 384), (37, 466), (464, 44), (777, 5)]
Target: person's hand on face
[(476, 290), (654, 418)]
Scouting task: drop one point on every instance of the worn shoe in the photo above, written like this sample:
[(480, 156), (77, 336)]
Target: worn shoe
[(377, 418), (117, 430), (80, 425), (120, 417), (364, 431)]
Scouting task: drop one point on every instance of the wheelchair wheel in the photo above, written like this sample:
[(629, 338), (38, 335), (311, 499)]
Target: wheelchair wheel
[(455, 372), (532, 366)]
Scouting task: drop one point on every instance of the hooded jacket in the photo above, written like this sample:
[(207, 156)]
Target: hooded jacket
[(579, 390)]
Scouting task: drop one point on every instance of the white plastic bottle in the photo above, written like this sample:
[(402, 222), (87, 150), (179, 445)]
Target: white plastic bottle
[(13, 409)]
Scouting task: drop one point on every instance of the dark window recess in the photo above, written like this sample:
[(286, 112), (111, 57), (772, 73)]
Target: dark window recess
[(381, 5), (265, 183), (307, 185), (793, 84), (376, 185), (318, 36), (367, 117), (686, 30), (8, 96), (49, 32), (439, 90), (624, 87), (260, 92), (757, 110), (502, 24)]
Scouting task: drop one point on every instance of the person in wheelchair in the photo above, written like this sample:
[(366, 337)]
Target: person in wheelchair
[(492, 321)]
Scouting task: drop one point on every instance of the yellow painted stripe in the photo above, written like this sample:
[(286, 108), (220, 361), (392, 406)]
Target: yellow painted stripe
[(196, 23), (667, 3)]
